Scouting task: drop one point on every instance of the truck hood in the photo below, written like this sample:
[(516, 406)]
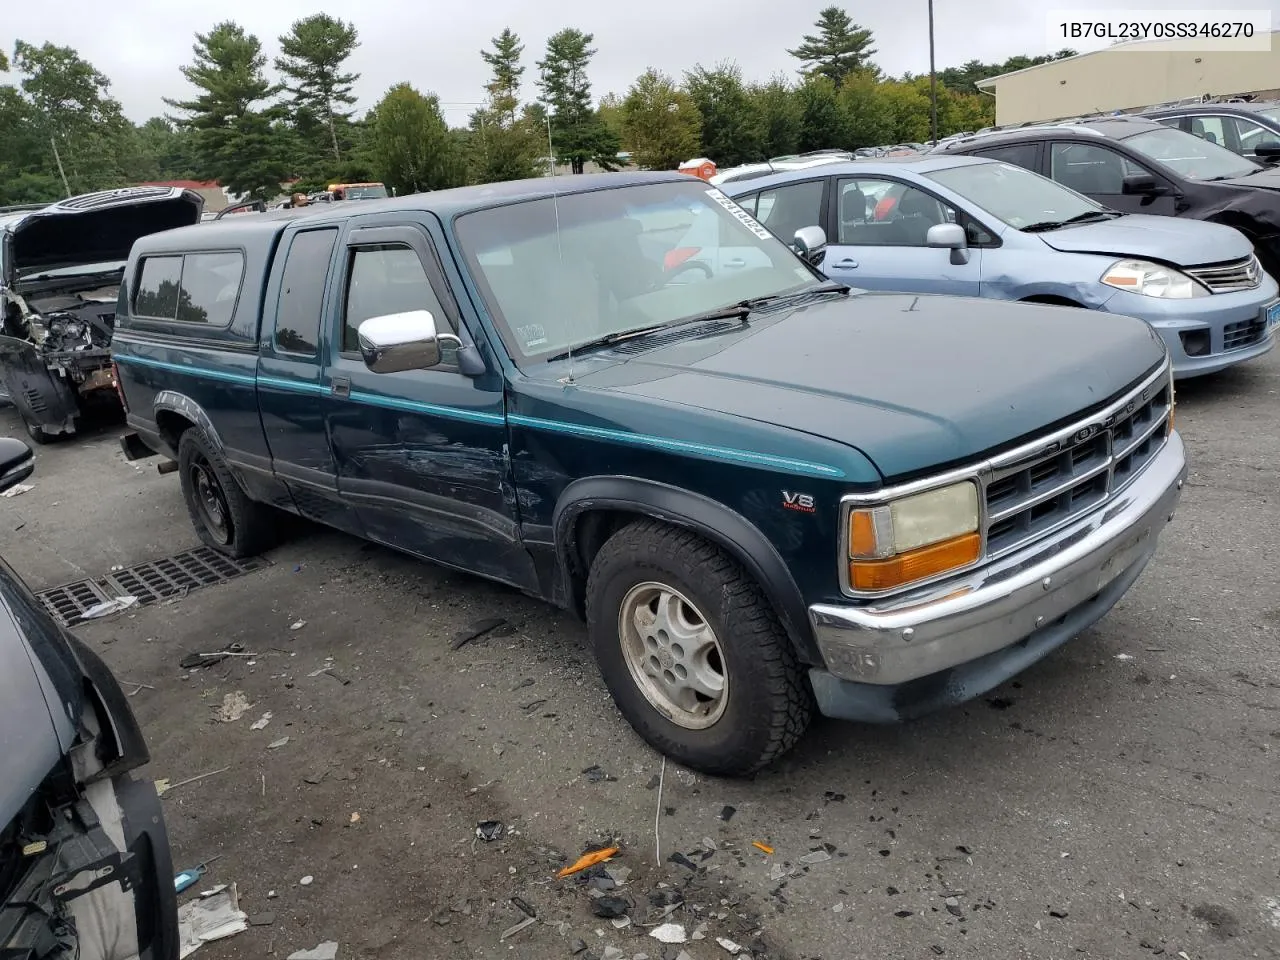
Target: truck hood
[(1183, 243), (96, 228), (915, 383)]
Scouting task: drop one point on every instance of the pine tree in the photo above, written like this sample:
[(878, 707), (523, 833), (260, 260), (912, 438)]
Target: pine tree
[(231, 117), (312, 55), (504, 60), (504, 145), (840, 47), (578, 133), (731, 126)]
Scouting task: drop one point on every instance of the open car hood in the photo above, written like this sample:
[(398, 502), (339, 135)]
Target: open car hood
[(92, 228)]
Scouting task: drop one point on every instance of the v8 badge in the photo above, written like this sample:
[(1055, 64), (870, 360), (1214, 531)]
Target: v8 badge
[(797, 501)]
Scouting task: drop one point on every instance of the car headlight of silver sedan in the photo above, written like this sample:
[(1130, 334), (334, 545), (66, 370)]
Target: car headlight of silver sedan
[(1153, 280)]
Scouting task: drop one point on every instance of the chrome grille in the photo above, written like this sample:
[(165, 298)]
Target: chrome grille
[(1243, 333), (1233, 275), (1028, 494)]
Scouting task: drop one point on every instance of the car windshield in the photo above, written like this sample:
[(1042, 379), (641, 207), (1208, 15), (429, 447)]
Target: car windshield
[(1014, 194), (561, 272), (1190, 156)]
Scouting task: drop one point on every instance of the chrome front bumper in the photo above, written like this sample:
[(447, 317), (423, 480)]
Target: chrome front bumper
[(1042, 595)]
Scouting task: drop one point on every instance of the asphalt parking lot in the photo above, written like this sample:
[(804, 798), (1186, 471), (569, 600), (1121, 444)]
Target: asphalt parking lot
[(1118, 800)]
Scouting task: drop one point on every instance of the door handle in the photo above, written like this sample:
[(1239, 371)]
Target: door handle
[(340, 387), (735, 263), (846, 264)]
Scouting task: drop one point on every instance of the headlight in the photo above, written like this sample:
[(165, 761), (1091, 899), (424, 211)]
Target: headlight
[(913, 538), (1152, 280)]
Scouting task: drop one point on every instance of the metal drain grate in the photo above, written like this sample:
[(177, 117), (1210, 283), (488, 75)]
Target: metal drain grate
[(68, 602), (149, 582)]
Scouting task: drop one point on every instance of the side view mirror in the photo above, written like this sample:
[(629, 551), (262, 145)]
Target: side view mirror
[(811, 244), (1140, 184), (403, 341), (1268, 151), (949, 236), (17, 462)]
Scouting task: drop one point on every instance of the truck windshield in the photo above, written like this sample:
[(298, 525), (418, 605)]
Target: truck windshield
[(368, 191), (1015, 195), (1190, 156), (564, 271)]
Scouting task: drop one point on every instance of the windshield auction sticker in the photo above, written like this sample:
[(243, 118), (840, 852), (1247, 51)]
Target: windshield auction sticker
[(740, 215)]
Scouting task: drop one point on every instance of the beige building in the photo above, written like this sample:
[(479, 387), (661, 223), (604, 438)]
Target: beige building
[(1129, 76)]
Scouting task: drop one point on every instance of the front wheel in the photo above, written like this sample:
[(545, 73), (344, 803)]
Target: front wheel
[(223, 515), (692, 652)]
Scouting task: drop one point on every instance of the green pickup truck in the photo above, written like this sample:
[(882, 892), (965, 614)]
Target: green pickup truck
[(765, 492)]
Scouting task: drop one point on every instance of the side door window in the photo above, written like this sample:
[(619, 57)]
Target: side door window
[(1025, 155), (1089, 169), (387, 278), (1249, 134), (788, 208), (886, 213), (301, 306), (1214, 129)]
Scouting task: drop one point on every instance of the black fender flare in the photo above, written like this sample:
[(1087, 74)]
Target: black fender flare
[(720, 524), (174, 402)]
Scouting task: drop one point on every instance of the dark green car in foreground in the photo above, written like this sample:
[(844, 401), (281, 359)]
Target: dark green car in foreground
[(766, 493)]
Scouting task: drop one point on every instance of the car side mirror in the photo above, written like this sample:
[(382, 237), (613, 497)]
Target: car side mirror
[(949, 236), (1140, 184), (403, 341), (17, 462), (1268, 150), (811, 244)]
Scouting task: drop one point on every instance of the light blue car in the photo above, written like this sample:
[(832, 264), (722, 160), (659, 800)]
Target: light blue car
[(979, 227)]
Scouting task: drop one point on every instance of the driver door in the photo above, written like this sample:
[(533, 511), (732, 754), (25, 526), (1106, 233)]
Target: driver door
[(881, 229), (1098, 172)]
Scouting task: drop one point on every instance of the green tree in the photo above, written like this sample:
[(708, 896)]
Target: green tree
[(502, 144), (821, 119), (866, 115), (610, 113), (504, 61), (231, 117), (778, 107), (839, 47), (662, 123), (578, 133), (72, 115), (411, 144), (731, 127), (312, 56)]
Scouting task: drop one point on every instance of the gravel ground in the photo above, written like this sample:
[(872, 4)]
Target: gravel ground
[(1115, 801)]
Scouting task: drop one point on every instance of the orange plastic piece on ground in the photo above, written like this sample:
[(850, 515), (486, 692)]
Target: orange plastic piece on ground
[(589, 859)]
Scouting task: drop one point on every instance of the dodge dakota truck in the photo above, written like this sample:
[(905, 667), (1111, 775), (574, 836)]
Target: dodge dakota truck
[(765, 493)]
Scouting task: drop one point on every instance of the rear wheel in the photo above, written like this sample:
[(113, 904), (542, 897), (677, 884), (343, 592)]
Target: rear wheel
[(692, 652), (37, 432), (223, 515)]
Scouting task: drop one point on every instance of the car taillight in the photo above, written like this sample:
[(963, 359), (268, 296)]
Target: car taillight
[(115, 377)]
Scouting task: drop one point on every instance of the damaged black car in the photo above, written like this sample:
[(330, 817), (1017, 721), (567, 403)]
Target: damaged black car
[(1138, 165), (85, 867), (60, 272)]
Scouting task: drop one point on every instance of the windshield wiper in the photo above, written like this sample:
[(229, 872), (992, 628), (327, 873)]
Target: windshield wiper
[(1088, 216), (734, 311)]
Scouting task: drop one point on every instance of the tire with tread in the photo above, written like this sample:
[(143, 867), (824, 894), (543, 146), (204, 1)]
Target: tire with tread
[(770, 702), (253, 525)]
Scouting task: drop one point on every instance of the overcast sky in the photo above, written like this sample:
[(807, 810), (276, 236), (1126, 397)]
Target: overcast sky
[(140, 44)]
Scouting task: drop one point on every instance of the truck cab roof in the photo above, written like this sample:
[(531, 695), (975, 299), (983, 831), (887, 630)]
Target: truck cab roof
[(259, 231)]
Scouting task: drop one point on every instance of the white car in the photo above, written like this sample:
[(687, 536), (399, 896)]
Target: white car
[(780, 165)]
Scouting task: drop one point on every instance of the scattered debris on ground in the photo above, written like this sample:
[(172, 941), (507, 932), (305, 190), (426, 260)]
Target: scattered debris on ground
[(108, 607), (234, 706), (261, 722), (328, 950), (589, 859), (490, 830), (163, 785), (477, 630), (210, 918)]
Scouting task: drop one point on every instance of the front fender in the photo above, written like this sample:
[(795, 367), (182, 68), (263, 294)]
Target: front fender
[(729, 530)]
